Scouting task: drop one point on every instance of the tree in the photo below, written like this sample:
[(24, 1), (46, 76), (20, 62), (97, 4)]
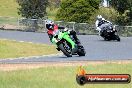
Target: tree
[(124, 7), (54, 3), (32, 8), (77, 10), (108, 13), (121, 5)]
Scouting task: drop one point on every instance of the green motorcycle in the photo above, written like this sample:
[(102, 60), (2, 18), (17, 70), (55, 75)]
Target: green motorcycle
[(66, 43)]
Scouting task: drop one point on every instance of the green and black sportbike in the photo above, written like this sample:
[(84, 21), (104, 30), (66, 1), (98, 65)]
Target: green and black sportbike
[(66, 43)]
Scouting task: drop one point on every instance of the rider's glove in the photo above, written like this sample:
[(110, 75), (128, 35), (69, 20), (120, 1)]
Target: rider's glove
[(54, 40), (66, 29), (111, 23), (69, 31), (98, 29)]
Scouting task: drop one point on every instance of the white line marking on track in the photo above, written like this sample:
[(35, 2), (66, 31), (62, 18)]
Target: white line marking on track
[(29, 57)]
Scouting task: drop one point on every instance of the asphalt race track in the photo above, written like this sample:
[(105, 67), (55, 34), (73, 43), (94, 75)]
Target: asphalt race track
[(96, 48)]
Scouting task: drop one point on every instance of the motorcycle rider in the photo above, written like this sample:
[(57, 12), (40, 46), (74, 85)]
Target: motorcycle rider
[(52, 27), (100, 23)]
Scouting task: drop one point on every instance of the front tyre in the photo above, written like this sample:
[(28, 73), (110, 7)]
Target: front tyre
[(66, 52), (117, 38), (106, 39)]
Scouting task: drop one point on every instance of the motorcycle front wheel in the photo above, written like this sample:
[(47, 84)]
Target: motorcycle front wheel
[(66, 52), (117, 38)]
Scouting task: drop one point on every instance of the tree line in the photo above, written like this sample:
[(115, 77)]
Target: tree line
[(77, 10)]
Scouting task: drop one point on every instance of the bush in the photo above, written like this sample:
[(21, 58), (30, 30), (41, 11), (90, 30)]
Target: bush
[(124, 19), (77, 10), (108, 13), (33, 9)]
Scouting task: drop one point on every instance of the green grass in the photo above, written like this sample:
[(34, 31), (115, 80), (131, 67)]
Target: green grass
[(60, 77), (8, 20), (9, 12), (12, 49), (8, 8)]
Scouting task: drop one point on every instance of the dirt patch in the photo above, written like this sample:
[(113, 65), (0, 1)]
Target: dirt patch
[(11, 67), (8, 26)]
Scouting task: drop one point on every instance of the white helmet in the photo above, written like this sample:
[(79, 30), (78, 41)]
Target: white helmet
[(48, 21), (49, 24), (99, 17)]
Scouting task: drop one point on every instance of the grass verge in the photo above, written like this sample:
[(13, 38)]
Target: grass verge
[(61, 77), (8, 8), (13, 49), (8, 20)]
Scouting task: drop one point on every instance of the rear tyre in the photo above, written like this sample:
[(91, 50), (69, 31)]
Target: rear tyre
[(81, 51), (64, 50)]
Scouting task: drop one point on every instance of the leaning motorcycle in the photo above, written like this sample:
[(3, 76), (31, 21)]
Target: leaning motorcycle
[(108, 32), (66, 43)]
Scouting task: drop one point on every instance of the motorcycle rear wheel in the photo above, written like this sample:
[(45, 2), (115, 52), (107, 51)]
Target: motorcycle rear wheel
[(82, 51)]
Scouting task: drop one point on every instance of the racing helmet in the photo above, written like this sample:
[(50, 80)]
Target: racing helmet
[(99, 17), (49, 24)]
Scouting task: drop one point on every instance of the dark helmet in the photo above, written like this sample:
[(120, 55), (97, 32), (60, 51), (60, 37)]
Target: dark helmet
[(49, 24)]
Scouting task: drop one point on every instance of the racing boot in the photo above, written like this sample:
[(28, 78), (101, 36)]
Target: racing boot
[(77, 41), (75, 49)]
